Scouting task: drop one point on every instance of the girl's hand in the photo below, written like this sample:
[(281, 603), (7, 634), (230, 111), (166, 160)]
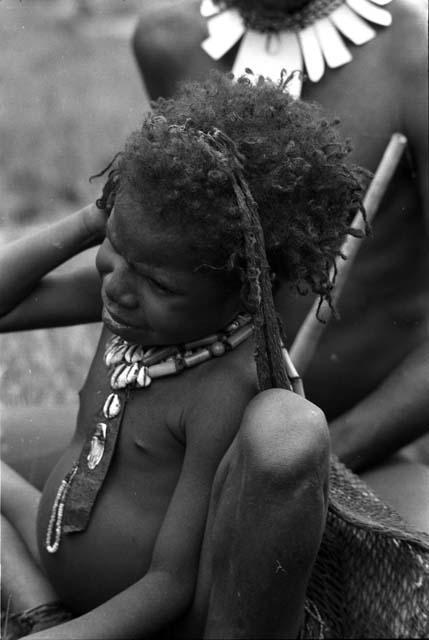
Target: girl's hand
[(95, 220)]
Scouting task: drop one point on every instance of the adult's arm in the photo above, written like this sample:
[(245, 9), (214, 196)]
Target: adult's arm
[(166, 45), (393, 415), (397, 412), (30, 295)]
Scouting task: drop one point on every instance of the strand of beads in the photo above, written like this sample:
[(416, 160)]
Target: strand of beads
[(54, 530)]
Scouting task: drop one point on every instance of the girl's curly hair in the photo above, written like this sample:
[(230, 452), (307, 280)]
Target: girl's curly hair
[(294, 164), (292, 160)]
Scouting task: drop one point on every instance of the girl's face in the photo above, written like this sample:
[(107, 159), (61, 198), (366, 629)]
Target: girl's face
[(152, 293)]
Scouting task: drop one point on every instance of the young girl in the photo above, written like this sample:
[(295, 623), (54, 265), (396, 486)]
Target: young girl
[(162, 514)]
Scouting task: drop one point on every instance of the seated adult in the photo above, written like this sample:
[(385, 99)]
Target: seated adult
[(370, 371)]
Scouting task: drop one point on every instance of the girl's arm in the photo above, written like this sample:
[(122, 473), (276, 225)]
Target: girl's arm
[(29, 298)]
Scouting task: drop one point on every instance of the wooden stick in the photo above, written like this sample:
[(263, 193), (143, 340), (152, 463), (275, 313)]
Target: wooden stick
[(311, 330)]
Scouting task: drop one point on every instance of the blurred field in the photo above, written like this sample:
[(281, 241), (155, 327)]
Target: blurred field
[(70, 94)]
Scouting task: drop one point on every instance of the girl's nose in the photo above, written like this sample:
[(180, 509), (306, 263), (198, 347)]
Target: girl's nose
[(117, 279), (119, 290)]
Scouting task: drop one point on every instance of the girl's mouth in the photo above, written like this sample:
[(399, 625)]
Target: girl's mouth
[(113, 321)]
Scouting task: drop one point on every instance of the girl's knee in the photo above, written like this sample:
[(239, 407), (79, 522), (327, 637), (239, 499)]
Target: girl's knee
[(269, 518), (284, 437)]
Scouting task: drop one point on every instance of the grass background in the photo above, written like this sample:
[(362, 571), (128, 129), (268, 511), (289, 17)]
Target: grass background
[(70, 94)]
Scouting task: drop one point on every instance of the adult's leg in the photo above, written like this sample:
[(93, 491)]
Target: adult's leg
[(33, 438), (405, 486), (265, 523)]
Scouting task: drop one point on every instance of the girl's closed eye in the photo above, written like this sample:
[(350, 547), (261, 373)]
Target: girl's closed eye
[(157, 285), (162, 288)]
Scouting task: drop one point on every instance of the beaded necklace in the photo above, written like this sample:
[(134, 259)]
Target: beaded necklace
[(130, 366), (308, 38), (133, 365)]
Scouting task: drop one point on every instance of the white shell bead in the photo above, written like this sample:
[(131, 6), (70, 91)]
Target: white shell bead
[(112, 406), (143, 378), (134, 353), (114, 380), (115, 354), (118, 355), (116, 340), (122, 379), (108, 356), (131, 373)]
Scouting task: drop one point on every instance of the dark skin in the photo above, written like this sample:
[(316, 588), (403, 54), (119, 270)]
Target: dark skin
[(370, 370), (127, 581)]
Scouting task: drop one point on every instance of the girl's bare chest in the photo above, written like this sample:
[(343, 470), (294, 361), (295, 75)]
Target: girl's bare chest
[(149, 420), (134, 495)]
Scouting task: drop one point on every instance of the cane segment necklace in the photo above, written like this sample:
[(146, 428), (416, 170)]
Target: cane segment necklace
[(130, 366), (307, 40)]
